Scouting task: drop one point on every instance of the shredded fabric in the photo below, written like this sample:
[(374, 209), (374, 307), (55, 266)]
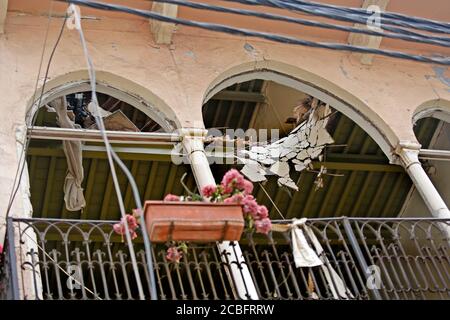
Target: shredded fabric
[(305, 256), (73, 192)]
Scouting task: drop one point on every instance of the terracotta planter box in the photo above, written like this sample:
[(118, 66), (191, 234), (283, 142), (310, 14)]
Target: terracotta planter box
[(193, 221)]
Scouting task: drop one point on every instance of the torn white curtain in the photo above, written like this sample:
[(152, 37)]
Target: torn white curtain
[(73, 192), (305, 256)]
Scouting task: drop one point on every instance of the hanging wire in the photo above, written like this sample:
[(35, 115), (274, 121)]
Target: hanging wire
[(390, 17), (112, 156), (340, 17), (439, 41), (349, 17), (272, 201), (258, 34), (22, 163)]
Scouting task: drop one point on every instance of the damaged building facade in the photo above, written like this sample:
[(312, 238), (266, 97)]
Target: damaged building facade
[(375, 196)]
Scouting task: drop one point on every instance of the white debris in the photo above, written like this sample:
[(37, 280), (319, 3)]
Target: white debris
[(324, 137), (288, 182), (314, 152), (304, 143), (254, 172), (302, 155), (312, 138), (280, 168), (300, 167), (259, 149)]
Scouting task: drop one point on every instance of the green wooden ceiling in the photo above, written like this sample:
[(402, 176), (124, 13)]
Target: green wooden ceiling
[(369, 185)]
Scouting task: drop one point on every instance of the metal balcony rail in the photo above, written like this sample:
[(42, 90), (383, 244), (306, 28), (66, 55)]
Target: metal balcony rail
[(363, 258)]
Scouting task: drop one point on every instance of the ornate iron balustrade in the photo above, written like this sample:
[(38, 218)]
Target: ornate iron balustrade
[(362, 259)]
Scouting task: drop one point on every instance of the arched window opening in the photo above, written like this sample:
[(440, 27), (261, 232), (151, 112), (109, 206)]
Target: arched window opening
[(359, 179)]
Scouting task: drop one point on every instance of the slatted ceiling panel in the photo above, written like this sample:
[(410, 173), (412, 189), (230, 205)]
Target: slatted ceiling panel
[(368, 195), (94, 206), (99, 190), (424, 130), (358, 138), (333, 194), (231, 114), (38, 183), (315, 198), (208, 110), (142, 177), (373, 148), (400, 195), (57, 199)]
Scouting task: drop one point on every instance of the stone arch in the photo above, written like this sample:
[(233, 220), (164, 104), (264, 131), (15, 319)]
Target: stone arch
[(437, 108), (116, 86), (314, 85)]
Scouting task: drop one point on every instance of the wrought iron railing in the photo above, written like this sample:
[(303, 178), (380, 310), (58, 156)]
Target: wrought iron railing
[(362, 259)]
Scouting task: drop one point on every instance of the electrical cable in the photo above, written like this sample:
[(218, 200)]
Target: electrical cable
[(21, 168), (258, 34), (112, 156), (445, 42), (336, 16), (384, 15), (350, 17)]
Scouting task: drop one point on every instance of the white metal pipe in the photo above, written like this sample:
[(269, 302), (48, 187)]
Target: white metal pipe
[(193, 145), (55, 133), (410, 160), (432, 154)]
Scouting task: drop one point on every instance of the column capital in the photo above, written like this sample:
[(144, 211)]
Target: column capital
[(408, 153), (193, 132), (193, 141)]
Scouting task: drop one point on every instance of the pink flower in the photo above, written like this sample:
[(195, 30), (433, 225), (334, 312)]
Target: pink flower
[(132, 222), (174, 255), (227, 189), (171, 197), (1, 249), (262, 212), (237, 198), (248, 187), (209, 190), (249, 205), (232, 179), (263, 225), (119, 228)]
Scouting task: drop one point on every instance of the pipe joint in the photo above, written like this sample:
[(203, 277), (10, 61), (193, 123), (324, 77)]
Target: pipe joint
[(408, 153)]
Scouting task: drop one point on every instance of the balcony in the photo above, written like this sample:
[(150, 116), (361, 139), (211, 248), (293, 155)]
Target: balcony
[(363, 259)]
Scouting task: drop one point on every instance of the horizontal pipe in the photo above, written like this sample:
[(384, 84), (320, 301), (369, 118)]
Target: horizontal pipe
[(431, 154), (54, 133)]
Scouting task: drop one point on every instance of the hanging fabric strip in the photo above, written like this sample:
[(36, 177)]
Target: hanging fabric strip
[(73, 192), (337, 286), (305, 256)]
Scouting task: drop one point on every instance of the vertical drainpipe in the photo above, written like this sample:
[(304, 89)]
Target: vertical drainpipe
[(409, 158), (193, 145)]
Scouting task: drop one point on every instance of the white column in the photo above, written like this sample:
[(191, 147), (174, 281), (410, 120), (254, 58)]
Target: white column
[(193, 145), (409, 157)]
